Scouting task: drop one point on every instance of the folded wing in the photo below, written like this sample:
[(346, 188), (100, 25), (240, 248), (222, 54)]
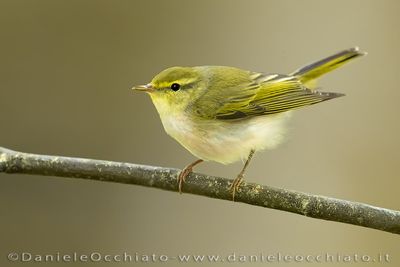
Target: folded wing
[(266, 95)]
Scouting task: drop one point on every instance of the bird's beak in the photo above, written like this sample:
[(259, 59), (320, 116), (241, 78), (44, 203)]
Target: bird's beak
[(143, 88)]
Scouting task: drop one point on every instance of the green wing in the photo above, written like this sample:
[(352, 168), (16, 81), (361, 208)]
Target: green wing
[(260, 95)]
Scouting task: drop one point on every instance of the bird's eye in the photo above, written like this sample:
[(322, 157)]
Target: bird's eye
[(175, 86)]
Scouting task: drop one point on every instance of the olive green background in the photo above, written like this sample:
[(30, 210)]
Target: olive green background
[(66, 69)]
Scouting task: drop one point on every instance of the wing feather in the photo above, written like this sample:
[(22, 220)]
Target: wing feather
[(260, 95)]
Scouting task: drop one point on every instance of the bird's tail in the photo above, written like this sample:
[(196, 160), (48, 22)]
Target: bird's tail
[(314, 70)]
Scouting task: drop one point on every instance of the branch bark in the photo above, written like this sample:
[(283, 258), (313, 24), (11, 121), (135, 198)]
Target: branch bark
[(315, 206)]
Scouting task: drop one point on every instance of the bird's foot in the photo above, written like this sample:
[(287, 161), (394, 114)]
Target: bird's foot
[(235, 185), (185, 172), (182, 177)]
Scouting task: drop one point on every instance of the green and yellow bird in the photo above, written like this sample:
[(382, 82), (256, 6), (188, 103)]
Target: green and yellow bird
[(225, 114)]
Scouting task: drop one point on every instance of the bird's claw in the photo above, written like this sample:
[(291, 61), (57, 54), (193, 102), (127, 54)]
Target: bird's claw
[(185, 172), (235, 185), (182, 177)]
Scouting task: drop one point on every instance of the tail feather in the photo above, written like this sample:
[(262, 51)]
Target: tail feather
[(314, 70)]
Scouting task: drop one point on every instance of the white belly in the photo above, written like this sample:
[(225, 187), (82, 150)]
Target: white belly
[(226, 141)]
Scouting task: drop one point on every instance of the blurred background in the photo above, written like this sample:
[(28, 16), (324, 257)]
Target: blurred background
[(66, 70)]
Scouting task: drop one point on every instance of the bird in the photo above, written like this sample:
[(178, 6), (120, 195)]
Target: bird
[(226, 114)]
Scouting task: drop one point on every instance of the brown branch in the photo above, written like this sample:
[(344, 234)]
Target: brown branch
[(319, 207)]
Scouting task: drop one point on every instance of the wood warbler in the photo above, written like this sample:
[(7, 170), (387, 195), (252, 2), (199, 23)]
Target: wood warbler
[(225, 114)]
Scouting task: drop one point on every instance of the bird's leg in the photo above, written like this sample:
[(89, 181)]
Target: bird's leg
[(185, 172), (239, 179)]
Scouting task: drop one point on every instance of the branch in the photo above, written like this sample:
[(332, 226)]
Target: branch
[(319, 207)]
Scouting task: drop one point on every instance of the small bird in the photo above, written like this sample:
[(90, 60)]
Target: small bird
[(225, 114)]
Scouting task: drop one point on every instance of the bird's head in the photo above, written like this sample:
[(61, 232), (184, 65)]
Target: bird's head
[(173, 89)]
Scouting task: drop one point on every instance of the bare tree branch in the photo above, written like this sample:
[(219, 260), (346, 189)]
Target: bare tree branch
[(319, 207)]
